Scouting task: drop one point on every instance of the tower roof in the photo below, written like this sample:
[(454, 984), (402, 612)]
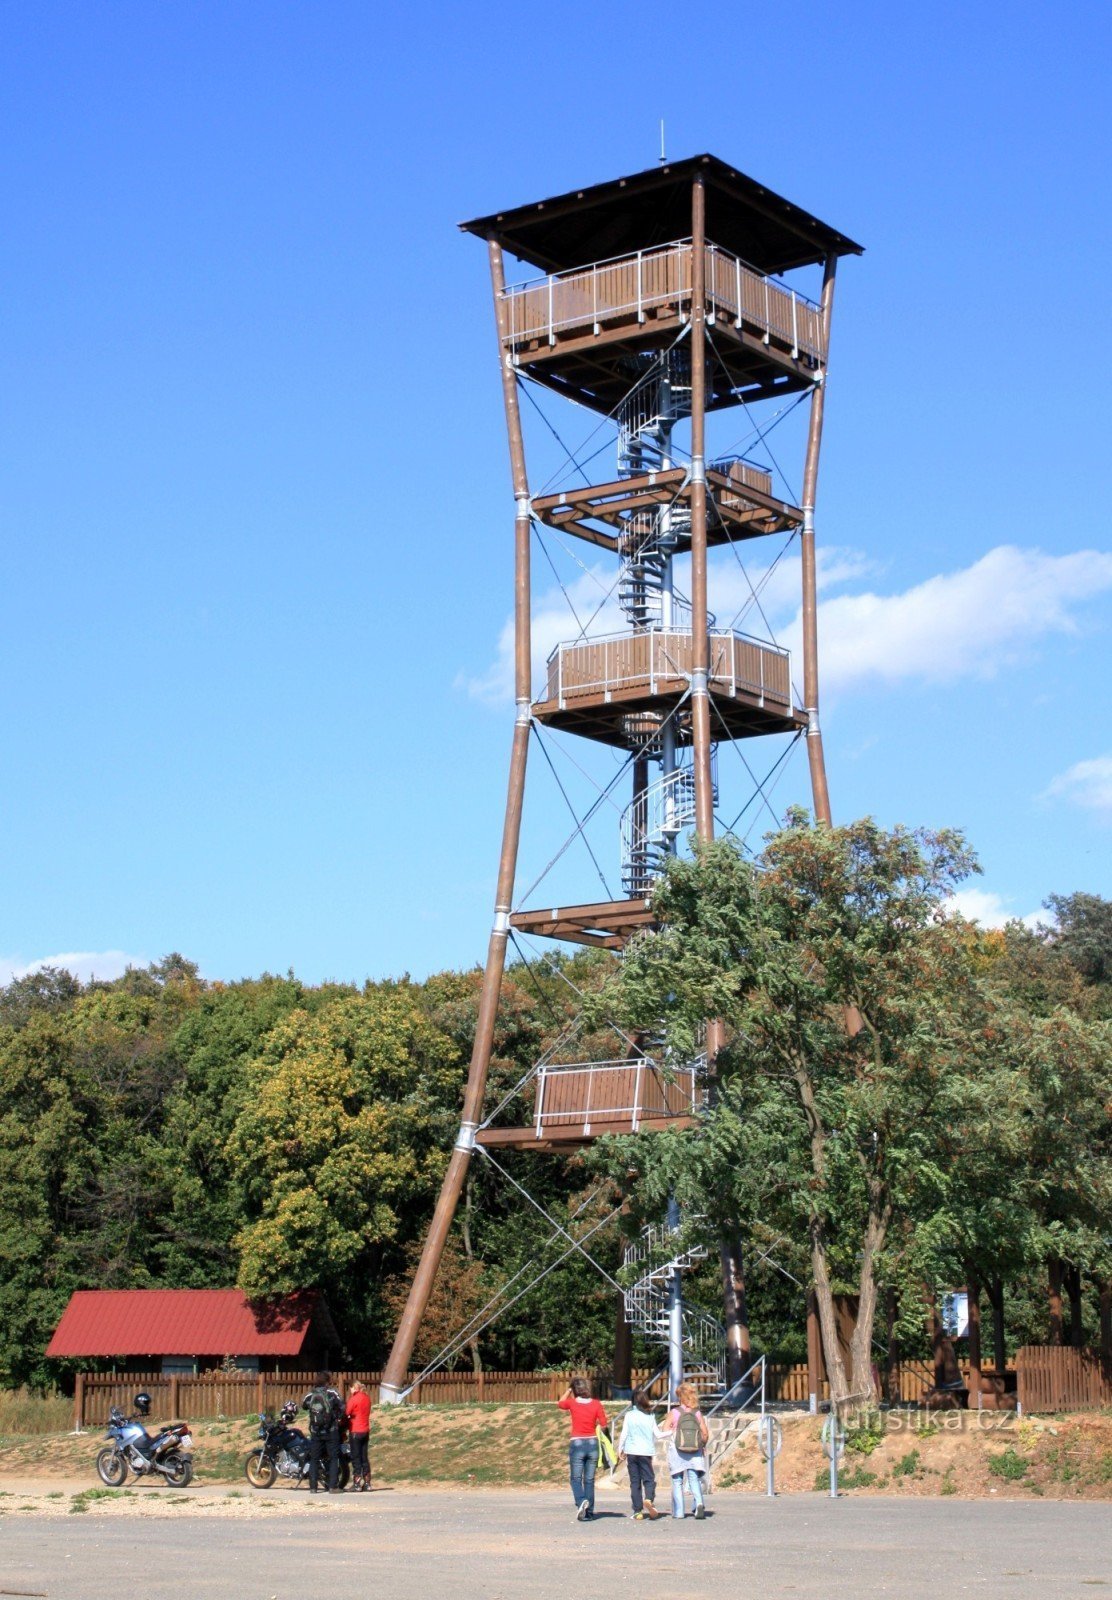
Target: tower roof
[(628, 214)]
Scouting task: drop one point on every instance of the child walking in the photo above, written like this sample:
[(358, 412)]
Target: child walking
[(635, 1448), (688, 1434)]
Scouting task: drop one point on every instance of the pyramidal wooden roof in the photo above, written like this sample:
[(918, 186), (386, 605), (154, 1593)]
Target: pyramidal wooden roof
[(624, 215)]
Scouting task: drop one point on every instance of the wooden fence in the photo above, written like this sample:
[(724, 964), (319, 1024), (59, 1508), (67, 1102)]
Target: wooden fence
[(239, 1394), (1059, 1378)]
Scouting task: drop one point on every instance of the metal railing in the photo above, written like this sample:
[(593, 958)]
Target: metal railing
[(609, 1091), (626, 288), (655, 656)]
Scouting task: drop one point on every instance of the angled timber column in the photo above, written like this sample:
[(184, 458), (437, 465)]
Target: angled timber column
[(815, 758), (394, 1375), (733, 1282), (700, 643)]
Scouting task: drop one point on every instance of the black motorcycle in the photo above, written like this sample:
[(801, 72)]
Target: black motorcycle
[(284, 1452)]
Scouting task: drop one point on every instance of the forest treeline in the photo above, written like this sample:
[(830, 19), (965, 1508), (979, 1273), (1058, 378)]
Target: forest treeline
[(164, 1130)]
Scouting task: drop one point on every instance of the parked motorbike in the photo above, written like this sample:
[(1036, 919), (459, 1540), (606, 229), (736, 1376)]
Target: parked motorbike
[(284, 1452), (167, 1455)]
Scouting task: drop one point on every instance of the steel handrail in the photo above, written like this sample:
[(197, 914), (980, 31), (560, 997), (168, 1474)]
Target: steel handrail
[(524, 285)]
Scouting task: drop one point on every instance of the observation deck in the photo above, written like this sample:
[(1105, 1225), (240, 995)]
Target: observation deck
[(602, 688), (740, 505), (574, 331), (577, 1103), (612, 288)]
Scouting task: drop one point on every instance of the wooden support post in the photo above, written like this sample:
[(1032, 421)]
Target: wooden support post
[(700, 642), (999, 1343), (174, 1400), (938, 1339), (1054, 1295), (816, 760), (622, 1381), (1073, 1288), (736, 1317), (973, 1293), (260, 1393), (1106, 1327), (892, 1358), (79, 1403), (394, 1374), (815, 1367)]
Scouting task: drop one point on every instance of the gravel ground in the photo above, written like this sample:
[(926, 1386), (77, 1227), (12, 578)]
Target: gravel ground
[(492, 1545)]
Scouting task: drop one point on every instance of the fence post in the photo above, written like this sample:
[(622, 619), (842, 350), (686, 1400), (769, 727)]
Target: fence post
[(79, 1403), (173, 1397), (481, 1385), (260, 1393)]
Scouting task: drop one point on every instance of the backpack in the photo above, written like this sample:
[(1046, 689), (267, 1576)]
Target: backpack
[(689, 1437), (321, 1411)]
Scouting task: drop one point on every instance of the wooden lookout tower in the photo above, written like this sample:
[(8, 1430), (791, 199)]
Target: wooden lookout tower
[(657, 300)]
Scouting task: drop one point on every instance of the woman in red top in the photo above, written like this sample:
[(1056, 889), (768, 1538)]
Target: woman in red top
[(586, 1415), (358, 1412)]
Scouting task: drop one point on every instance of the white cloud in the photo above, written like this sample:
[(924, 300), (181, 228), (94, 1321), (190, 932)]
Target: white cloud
[(991, 910), (593, 594), (1087, 784), (964, 624), (83, 964)]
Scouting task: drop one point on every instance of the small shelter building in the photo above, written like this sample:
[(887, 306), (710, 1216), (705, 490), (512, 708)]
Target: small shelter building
[(190, 1331)]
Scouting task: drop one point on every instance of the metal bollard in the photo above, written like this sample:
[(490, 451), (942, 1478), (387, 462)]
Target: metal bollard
[(770, 1439)]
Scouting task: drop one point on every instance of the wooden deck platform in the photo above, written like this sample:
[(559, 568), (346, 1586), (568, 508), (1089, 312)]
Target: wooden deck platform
[(740, 505), (575, 330), (602, 688), (606, 924), (579, 1102)]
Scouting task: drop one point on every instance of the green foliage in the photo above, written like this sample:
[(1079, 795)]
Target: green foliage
[(907, 1466), (865, 1433), (161, 1130), (1008, 1464)]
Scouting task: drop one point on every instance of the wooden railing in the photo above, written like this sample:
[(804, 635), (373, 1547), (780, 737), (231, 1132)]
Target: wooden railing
[(655, 283), (659, 662)]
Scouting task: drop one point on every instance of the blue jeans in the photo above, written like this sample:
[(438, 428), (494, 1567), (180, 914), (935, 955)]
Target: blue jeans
[(693, 1484), (582, 1461)]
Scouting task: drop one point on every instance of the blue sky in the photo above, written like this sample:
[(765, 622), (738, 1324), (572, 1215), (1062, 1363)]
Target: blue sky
[(254, 495)]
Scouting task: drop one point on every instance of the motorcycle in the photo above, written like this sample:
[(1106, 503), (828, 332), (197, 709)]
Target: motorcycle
[(133, 1449), (284, 1452)]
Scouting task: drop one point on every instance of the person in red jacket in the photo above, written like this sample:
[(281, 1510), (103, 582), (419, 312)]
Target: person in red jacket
[(358, 1412), (586, 1415)]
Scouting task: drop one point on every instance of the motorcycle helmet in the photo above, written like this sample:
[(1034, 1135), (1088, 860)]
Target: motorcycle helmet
[(143, 1403)]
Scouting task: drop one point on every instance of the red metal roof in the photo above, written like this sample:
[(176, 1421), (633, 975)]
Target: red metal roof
[(181, 1322)]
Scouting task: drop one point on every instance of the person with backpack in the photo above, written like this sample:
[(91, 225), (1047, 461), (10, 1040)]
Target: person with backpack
[(324, 1409), (586, 1416), (686, 1450), (636, 1445), (358, 1412)]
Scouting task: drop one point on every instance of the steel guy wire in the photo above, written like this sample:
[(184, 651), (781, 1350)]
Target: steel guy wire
[(544, 955), (551, 1220), (459, 1340), (630, 758), (574, 816)]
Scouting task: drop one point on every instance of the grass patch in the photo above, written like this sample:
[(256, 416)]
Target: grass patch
[(855, 1478), (907, 1466), (30, 1411), (948, 1486), (863, 1436), (1008, 1464)]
